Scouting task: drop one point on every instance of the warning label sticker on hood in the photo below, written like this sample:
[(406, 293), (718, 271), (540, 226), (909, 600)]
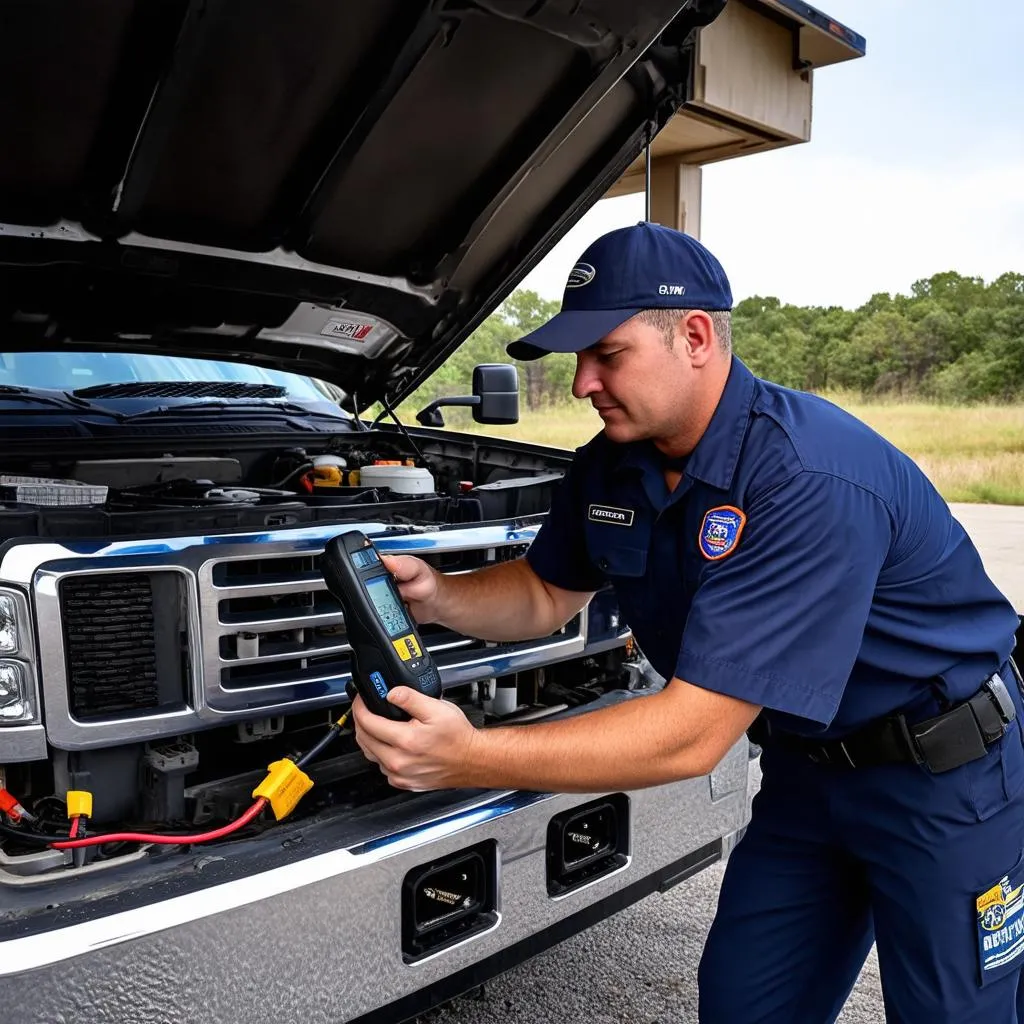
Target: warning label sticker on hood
[(334, 329), (353, 330)]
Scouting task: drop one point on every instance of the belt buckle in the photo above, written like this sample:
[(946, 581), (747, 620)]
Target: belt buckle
[(996, 689)]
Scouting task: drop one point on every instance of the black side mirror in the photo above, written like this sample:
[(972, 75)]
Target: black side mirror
[(495, 397), (497, 387)]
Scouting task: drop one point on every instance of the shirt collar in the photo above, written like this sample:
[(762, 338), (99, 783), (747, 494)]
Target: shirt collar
[(714, 459)]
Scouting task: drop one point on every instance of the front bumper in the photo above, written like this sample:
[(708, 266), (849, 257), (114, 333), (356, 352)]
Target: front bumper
[(319, 938)]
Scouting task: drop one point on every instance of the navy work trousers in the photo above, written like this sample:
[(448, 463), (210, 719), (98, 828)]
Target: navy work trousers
[(835, 859)]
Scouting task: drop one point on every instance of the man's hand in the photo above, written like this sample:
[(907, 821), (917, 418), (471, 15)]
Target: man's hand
[(681, 732), (427, 752), (418, 584)]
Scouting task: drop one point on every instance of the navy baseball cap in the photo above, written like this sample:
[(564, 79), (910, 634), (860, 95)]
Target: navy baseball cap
[(646, 266)]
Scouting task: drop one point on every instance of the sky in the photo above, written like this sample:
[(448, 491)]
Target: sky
[(915, 166)]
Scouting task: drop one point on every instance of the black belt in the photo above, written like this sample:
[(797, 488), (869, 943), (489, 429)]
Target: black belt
[(962, 734)]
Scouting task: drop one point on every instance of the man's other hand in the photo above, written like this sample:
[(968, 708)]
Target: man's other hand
[(427, 752)]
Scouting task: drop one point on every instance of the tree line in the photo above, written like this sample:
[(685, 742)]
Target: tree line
[(952, 340)]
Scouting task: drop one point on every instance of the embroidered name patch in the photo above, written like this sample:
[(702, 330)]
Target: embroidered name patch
[(1000, 925), (610, 514), (720, 531)]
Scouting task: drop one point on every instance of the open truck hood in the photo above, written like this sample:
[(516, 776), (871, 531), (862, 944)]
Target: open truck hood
[(341, 189)]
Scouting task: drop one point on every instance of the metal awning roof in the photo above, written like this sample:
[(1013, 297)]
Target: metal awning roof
[(753, 90), (821, 40)]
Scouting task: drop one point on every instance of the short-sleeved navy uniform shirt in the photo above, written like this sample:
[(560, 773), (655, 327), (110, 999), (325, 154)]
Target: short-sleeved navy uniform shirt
[(802, 563)]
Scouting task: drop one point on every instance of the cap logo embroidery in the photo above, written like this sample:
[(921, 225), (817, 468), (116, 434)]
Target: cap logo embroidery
[(720, 532), (671, 289), (580, 275), (610, 514)]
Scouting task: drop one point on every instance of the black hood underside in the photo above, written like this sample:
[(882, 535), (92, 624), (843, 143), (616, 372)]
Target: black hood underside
[(343, 189)]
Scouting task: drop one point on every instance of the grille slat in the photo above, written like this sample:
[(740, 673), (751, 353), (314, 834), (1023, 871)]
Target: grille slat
[(282, 587), (282, 621), (281, 651)]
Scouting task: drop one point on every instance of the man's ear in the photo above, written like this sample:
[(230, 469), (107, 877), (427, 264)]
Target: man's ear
[(696, 332)]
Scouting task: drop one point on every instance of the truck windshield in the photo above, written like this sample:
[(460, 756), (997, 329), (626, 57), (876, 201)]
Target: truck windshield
[(70, 371)]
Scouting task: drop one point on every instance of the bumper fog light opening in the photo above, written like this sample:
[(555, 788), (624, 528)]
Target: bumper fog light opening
[(449, 900), (586, 843)]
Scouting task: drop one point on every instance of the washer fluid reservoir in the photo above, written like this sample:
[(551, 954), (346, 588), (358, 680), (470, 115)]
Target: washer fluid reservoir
[(401, 479)]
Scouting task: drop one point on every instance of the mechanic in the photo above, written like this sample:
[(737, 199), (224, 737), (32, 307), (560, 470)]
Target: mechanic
[(791, 573)]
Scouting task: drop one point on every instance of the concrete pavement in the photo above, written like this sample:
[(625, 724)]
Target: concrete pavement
[(998, 534)]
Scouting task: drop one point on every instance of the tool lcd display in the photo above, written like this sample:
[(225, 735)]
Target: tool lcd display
[(389, 608)]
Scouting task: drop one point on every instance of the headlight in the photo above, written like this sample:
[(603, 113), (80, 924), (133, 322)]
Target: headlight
[(15, 705), (8, 625), (19, 704)]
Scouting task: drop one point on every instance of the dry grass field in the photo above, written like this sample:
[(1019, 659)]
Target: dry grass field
[(971, 454)]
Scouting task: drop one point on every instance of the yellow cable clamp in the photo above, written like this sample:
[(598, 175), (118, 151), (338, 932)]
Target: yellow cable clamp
[(285, 785), (79, 802)]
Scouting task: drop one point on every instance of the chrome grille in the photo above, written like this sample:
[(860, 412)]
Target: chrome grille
[(244, 624), (272, 631)]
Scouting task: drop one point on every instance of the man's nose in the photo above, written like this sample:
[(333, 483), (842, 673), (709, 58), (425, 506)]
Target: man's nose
[(585, 382)]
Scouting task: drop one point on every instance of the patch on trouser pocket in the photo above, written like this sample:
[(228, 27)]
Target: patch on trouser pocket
[(1001, 926)]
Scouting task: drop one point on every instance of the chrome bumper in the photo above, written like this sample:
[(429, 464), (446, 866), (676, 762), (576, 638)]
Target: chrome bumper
[(320, 938)]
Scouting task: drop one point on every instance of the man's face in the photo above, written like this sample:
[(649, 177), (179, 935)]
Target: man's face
[(639, 386)]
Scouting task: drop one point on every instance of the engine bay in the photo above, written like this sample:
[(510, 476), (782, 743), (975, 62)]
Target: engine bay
[(373, 476)]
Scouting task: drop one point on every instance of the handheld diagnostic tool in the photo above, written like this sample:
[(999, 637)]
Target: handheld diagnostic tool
[(386, 649)]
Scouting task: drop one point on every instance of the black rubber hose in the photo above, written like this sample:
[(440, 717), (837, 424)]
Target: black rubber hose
[(321, 745)]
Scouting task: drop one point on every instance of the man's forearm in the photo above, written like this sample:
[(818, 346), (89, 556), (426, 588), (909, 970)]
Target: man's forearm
[(501, 602), (641, 743)]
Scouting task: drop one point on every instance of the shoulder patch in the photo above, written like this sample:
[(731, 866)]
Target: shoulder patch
[(720, 532)]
